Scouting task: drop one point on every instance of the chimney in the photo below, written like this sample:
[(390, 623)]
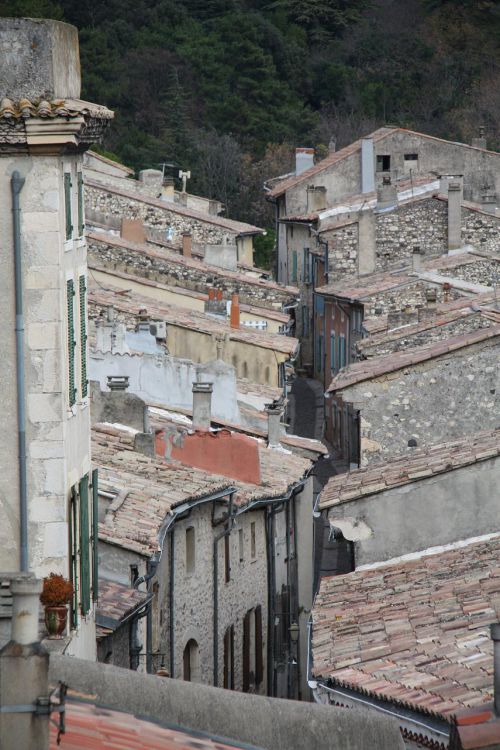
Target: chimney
[(366, 242), (24, 666), (275, 427), (235, 312), (495, 637), (168, 191), (187, 244), (202, 402), (118, 382), (387, 194), (481, 141), (332, 145), (454, 215), (316, 198), (152, 179), (304, 159), (416, 258), (367, 166), (446, 291), (431, 298)]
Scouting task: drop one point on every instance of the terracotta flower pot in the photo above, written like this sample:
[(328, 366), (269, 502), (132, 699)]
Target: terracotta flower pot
[(55, 620)]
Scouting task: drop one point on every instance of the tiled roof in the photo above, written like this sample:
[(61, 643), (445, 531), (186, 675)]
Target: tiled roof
[(146, 489), (185, 318), (377, 366), (23, 109), (95, 728), (414, 633), (263, 312), (330, 160), (422, 464), (343, 153), (238, 227), (117, 601), (173, 257), (441, 319)]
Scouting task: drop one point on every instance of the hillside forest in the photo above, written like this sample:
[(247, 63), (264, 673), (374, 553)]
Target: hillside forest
[(228, 88)]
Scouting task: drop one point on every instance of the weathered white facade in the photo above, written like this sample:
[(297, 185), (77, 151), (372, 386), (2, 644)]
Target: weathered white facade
[(40, 159)]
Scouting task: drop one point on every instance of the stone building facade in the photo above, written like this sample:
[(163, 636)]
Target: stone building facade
[(46, 480)]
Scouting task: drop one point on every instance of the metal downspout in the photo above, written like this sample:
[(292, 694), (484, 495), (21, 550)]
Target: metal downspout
[(16, 185), (171, 620), (226, 532)]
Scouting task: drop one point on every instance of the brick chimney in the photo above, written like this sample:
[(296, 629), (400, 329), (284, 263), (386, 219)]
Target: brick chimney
[(24, 666), (187, 240), (304, 159), (202, 406), (454, 215), (235, 311)]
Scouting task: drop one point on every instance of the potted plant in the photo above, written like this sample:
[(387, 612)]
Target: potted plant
[(57, 592)]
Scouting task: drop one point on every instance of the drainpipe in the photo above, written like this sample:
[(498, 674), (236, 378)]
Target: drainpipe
[(171, 599), (226, 532), (151, 567), (16, 185)]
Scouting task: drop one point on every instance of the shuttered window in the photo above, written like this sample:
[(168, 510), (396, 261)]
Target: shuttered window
[(67, 205), (294, 265), (84, 383), (332, 351), (70, 294), (229, 658), (84, 545), (81, 224), (95, 535), (246, 652), (306, 271), (259, 662), (73, 551)]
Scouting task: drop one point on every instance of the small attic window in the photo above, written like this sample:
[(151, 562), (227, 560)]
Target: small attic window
[(383, 163), (411, 157)]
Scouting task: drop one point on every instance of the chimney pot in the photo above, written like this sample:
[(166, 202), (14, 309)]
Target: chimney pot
[(235, 312), (187, 246), (25, 602), (219, 295), (211, 294), (202, 404)]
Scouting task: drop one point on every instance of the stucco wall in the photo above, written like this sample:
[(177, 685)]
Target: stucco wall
[(440, 510), (432, 402)]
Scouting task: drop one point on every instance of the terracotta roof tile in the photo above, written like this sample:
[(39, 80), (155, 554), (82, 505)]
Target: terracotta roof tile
[(24, 109), (438, 667)]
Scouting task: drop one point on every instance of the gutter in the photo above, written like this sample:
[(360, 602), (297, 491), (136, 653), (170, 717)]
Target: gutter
[(16, 185)]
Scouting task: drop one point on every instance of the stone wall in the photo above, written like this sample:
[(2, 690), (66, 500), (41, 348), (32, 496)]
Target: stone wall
[(411, 295), (188, 276), (112, 204), (485, 272), (437, 400), (342, 251), (480, 230), (422, 338)]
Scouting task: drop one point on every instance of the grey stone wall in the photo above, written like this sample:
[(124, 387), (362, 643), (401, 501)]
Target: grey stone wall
[(112, 204), (432, 402), (342, 251), (480, 230), (411, 295), (422, 338), (485, 272), (440, 510), (185, 276)]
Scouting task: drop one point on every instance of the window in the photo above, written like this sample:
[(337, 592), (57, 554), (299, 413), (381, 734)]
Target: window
[(70, 294), (294, 265), (305, 320), (191, 662), (81, 223), (241, 545), (319, 353), (356, 321), (383, 163), (410, 162), (67, 205), (332, 351), (95, 535), (342, 352), (229, 658), (73, 547), (83, 491), (306, 270), (253, 547), (84, 383), (253, 661), (227, 558), (190, 550), (411, 157)]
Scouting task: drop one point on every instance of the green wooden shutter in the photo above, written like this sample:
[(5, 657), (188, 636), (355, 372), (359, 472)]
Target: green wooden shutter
[(81, 225), (67, 205), (84, 545), (73, 536), (294, 265), (83, 338), (70, 293), (95, 535), (332, 351)]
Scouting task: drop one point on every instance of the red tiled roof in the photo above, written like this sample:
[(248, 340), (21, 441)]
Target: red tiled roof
[(377, 366), (422, 464), (184, 318), (23, 109), (116, 600), (414, 633), (90, 727), (238, 227)]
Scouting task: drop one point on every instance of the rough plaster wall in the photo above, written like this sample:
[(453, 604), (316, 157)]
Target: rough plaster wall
[(187, 277), (194, 592), (153, 216), (444, 509), (429, 336), (435, 401)]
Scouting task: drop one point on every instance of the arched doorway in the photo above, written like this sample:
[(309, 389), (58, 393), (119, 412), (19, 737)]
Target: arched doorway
[(191, 662)]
